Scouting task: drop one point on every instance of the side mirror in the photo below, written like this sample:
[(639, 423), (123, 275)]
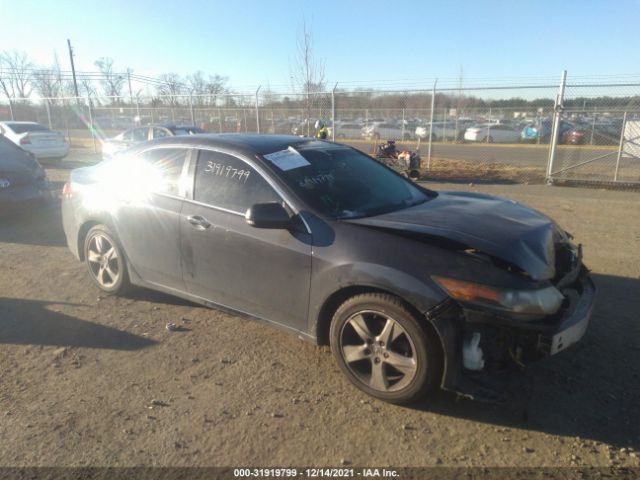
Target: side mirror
[(268, 215)]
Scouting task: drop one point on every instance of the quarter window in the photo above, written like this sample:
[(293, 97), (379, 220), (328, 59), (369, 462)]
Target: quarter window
[(163, 167), (227, 182)]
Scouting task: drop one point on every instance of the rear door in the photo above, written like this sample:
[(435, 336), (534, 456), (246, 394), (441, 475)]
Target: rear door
[(263, 272), (150, 198)]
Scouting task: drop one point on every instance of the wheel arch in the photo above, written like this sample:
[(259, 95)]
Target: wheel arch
[(337, 298), (87, 225)]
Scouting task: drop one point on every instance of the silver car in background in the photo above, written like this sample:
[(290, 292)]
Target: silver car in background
[(388, 131), (133, 136), (492, 133), (37, 139)]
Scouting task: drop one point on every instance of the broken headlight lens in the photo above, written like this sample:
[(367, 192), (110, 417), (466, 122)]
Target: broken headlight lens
[(544, 301)]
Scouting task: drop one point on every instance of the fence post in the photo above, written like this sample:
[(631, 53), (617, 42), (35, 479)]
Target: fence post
[(333, 113), (93, 130), (257, 111), (433, 104), (403, 124), (620, 146), (555, 129), (46, 104), (193, 117)]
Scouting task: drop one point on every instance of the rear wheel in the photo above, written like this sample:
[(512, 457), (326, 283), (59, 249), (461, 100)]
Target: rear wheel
[(106, 261), (383, 350)]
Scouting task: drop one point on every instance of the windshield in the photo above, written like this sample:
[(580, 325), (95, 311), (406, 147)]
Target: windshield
[(341, 182)]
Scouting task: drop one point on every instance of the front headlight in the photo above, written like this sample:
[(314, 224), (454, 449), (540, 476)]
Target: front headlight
[(543, 301)]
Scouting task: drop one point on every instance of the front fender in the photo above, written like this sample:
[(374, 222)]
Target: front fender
[(421, 293)]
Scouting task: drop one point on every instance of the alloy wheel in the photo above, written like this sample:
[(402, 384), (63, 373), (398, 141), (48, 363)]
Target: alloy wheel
[(378, 351), (104, 261)]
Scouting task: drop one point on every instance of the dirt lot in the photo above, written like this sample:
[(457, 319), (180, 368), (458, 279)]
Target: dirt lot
[(93, 380)]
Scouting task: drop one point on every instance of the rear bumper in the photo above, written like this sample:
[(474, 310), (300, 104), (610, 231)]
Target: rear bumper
[(70, 226), (54, 151)]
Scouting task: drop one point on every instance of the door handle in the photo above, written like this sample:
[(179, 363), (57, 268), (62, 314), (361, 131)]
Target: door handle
[(199, 222)]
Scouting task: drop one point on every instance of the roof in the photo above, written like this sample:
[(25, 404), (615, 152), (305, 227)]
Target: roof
[(260, 144)]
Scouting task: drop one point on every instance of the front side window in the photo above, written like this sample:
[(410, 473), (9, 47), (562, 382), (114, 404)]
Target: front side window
[(225, 181)]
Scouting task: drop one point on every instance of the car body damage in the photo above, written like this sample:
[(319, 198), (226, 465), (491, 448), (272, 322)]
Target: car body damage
[(482, 338), (498, 227)]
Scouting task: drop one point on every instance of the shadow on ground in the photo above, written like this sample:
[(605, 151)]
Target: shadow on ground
[(41, 225), (32, 322), (592, 390)]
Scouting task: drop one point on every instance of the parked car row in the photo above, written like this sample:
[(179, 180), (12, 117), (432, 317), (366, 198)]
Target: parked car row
[(498, 131)]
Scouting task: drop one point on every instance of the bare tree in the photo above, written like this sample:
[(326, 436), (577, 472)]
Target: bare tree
[(171, 86), (16, 74), (48, 82), (215, 87), (111, 81), (308, 71), (197, 85)]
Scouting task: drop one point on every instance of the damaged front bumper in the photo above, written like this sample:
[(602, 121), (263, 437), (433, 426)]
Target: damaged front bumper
[(479, 346)]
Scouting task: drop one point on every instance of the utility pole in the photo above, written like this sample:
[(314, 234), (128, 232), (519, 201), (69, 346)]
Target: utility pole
[(73, 69)]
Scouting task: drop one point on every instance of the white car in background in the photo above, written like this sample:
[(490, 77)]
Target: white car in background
[(36, 139), (492, 133), (387, 131)]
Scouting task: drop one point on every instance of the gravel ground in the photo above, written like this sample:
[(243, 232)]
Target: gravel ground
[(93, 380)]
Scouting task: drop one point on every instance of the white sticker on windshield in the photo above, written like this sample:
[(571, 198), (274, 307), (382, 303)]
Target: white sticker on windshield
[(287, 159)]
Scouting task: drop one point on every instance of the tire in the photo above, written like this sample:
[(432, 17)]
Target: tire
[(488, 139), (106, 261), (401, 370)]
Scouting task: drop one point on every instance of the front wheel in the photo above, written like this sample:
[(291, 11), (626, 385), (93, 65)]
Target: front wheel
[(106, 261), (383, 349)]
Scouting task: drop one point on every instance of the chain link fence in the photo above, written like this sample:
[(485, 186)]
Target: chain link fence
[(570, 131)]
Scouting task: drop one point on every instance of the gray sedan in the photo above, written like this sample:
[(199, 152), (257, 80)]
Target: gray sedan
[(411, 288)]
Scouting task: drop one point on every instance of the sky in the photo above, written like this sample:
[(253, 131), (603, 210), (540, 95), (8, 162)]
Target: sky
[(362, 43)]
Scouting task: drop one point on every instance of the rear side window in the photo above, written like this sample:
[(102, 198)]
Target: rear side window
[(164, 167), (225, 181), (140, 134), (27, 127), (159, 133)]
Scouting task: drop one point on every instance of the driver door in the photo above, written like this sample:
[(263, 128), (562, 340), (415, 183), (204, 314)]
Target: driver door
[(262, 272)]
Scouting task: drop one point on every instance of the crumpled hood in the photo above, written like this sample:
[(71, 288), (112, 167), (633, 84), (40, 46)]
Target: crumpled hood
[(496, 226)]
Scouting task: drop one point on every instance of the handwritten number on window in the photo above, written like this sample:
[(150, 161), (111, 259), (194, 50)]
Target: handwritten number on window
[(227, 171)]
